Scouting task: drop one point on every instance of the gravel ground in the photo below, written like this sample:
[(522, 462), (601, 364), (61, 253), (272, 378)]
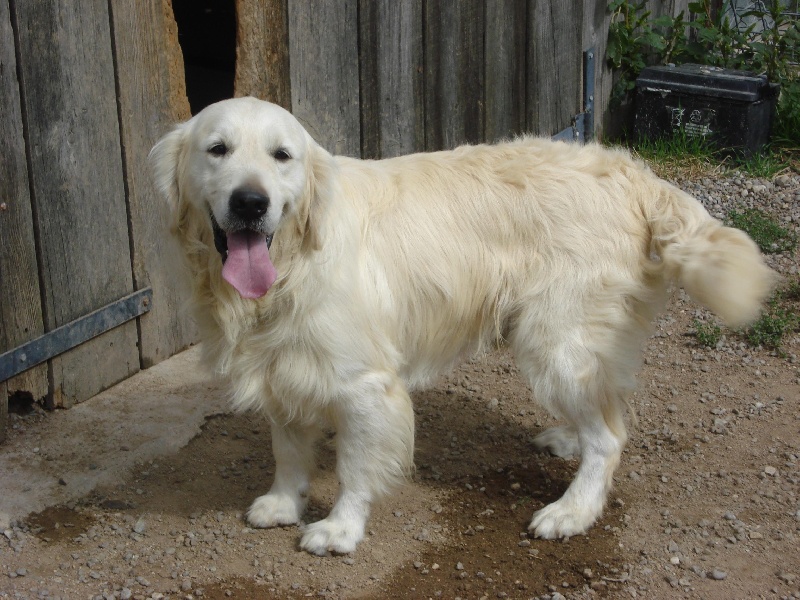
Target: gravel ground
[(706, 503)]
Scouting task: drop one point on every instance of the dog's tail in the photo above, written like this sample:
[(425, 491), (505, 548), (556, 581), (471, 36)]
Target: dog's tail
[(720, 267)]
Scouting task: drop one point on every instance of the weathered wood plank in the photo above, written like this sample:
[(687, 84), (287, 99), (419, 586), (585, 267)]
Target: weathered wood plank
[(506, 22), (555, 65), (369, 79), (323, 41), (67, 77), (454, 73), (3, 411), (262, 51), (392, 85), (596, 20), (20, 300), (152, 96)]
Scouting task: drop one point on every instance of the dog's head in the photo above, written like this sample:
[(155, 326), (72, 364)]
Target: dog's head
[(252, 172)]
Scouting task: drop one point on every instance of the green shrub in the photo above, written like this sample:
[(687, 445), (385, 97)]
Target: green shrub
[(775, 322), (707, 334), (779, 318), (786, 129)]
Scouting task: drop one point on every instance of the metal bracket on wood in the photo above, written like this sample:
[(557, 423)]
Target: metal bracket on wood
[(72, 334), (582, 127)]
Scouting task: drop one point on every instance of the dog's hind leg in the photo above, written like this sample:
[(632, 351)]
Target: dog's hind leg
[(577, 385), (601, 438), (374, 451), (293, 448)]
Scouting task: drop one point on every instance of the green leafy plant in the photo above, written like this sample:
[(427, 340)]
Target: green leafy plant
[(717, 41), (779, 318), (791, 293), (774, 46), (629, 36), (770, 236), (772, 326), (708, 334), (786, 130), (633, 39)]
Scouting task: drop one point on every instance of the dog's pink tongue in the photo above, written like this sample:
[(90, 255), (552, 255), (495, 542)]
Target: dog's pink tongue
[(248, 267)]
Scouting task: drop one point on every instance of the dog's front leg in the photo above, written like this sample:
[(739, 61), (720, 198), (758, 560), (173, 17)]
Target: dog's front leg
[(293, 448), (374, 451)]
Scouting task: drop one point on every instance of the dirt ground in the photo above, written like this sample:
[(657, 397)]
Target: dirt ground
[(706, 501), (705, 506)]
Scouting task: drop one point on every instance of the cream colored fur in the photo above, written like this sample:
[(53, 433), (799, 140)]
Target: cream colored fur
[(391, 271)]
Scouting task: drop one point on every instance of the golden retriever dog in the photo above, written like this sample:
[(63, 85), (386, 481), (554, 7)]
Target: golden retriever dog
[(328, 288)]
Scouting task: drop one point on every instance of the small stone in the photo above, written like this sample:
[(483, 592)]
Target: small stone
[(717, 574), (675, 560), (423, 535), (186, 585), (22, 571), (125, 594), (140, 527), (459, 566), (771, 471)]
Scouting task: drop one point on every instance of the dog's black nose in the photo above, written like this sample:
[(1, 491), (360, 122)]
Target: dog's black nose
[(248, 205)]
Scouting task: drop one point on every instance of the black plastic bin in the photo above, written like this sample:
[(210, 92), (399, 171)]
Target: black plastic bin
[(732, 109)]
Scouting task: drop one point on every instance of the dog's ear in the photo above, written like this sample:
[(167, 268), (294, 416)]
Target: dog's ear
[(320, 184), (165, 158)]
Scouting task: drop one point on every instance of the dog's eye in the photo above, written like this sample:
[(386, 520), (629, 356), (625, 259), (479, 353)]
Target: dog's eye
[(218, 149), (281, 155)]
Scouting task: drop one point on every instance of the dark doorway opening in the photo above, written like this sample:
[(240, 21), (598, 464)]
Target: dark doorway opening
[(207, 34)]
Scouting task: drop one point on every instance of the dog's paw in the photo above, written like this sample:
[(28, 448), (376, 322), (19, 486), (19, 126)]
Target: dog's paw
[(332, 535), (274, 510), (559, 520), (559, 441)]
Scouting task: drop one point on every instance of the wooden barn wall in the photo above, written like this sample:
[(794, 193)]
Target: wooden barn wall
[(85, 94), (151, 97), (432, 74), (87, 87), (77, 185), (20, 299)]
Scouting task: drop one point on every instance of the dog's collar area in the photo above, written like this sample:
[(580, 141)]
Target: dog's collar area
[(221, 239)]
